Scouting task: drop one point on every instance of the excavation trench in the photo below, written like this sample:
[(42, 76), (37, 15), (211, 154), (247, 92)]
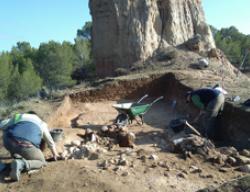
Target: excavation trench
[(94, 108), (233, 126)]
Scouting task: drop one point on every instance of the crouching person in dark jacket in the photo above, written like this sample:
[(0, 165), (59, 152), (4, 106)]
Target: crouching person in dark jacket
[(210, 102), (22, 136)]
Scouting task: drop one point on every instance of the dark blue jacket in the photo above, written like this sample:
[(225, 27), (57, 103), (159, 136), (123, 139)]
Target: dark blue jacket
[(202, 97)]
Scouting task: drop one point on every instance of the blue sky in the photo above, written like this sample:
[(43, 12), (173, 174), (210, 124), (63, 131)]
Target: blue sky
[(225, 13), (39, 21)]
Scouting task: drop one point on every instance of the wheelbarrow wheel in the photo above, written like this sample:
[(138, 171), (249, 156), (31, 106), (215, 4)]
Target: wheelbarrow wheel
[(122, 120)]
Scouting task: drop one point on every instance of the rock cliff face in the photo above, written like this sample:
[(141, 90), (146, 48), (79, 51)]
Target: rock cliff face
[(127, 31)]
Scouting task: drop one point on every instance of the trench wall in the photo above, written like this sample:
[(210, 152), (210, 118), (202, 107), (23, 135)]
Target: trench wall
[(234, 124)]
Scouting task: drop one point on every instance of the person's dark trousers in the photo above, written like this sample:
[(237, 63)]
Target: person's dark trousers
[(33, 157), (210, 117)]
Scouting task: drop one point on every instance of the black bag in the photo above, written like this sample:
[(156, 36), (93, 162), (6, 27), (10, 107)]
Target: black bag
[(177, 125)]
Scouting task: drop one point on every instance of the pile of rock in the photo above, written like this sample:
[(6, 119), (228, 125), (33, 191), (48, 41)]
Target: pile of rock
[(93, 144), (224, 156), (80, 150), (193, 144), (121, 135)]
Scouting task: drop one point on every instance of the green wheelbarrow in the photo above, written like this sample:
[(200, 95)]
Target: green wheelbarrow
[(129, 111)]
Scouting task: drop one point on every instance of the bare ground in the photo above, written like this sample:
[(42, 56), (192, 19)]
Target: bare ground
[(168, 172)]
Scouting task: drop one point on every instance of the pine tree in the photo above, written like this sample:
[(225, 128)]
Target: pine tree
[(5, 68)]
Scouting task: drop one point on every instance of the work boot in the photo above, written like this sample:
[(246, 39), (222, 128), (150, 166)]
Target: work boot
[(17, 166)]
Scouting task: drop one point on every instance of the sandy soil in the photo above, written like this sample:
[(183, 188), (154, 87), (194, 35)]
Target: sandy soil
[(167, 172)]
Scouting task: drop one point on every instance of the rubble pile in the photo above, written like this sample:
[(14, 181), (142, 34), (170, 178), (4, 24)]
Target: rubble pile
[(93, 144), (223, 157), (79, 150), (121, 135)]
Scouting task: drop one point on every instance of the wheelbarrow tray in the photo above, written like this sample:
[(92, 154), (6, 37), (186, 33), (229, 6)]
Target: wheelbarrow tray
[(132, 109)]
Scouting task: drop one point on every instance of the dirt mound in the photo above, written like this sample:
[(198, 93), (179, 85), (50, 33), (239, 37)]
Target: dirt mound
[(61, 117)]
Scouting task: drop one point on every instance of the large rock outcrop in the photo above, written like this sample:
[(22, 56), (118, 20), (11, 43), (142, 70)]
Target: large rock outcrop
[(127, 31)]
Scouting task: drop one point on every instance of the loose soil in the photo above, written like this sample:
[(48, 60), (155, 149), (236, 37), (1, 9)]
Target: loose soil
[(167, 173)]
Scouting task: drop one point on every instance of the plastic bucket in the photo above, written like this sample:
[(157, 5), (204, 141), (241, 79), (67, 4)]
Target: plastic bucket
[(56, 134)]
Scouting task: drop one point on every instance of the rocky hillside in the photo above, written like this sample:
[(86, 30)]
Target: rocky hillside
[(127, 31)]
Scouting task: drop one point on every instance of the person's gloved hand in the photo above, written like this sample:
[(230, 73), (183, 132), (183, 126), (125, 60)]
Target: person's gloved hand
[(56, 157)]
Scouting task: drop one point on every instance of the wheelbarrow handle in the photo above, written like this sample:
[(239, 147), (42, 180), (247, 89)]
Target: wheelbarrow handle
[(159, 98), (142, 98)]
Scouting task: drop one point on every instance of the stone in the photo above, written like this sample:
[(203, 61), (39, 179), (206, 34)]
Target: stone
[(88, 131), (101, 150), (125, 174), (104, 128), (71, 150), (133, 31), (206, 176), (153, 165), (245, 168), (223, 169), (214, 53), (65, 154), (123, 162), (153, 157), (182, 175), (231, 160), (194, 169), (104, 165), (31, 172), (93, 156), (230, 151), (143, 158), (79, 153), (76, 143), (163, 164), (126, 139), (129, 152), (166, 174), (245, 153), (242, 160), (93, 138), (117, 169), (140, 152), (203, 63)]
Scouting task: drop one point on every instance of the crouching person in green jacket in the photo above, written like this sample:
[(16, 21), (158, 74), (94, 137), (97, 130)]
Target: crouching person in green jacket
[(22, 136), (210, 102)]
